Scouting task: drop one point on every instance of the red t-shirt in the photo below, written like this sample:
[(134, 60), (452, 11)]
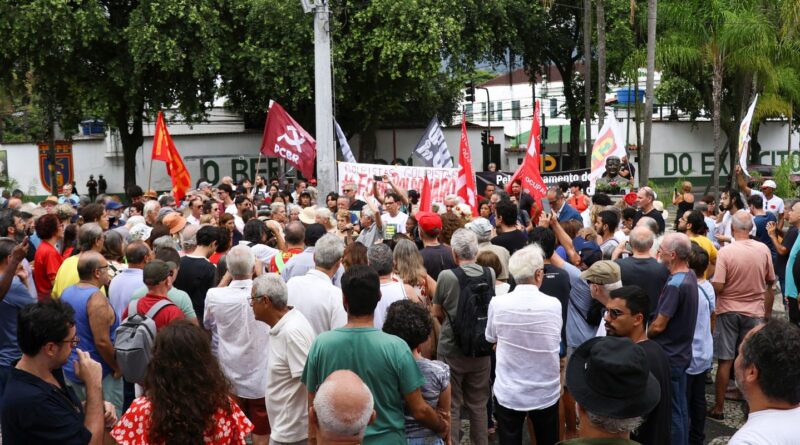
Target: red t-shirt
[(164, 317), (273, 266), (45, 267)]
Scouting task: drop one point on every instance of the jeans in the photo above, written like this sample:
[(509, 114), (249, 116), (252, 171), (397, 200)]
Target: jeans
[(469, 386), (696, 402), (511, 424), (680, 409)]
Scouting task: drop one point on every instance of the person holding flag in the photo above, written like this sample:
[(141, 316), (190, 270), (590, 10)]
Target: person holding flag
[(527, 184)]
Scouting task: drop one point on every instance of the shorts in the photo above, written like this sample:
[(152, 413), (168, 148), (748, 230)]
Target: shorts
[(730, 331), (256, 412)]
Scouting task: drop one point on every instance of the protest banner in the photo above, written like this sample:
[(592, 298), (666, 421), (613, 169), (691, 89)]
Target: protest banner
[(609, 143), (431, 148), (442, 180), (500, 179)]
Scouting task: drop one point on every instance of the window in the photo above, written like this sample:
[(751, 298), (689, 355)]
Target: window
[(468, 112), (498, 111), (515, 110), (553, 107)]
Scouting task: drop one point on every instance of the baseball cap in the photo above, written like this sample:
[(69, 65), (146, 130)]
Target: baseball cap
[(157, 271), (113, 205), (429, 222), (204, 184), (588, 250), (602, 272), (769, 183), (481, 226)]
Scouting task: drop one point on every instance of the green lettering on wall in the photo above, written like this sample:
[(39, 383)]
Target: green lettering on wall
[(238, 169), (685, 164), (204, 171), (670, 164), (706, 164)]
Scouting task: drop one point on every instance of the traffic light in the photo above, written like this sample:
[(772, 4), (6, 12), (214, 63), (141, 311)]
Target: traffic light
[(485, 137), (491, 139), (470, 91)]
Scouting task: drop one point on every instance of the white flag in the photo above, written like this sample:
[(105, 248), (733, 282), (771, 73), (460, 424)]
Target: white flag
[(347, 153), (744, 136)]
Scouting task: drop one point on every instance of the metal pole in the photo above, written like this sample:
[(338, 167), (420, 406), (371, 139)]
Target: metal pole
[(323, 97)]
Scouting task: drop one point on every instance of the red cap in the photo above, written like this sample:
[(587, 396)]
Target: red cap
[(429, 222)]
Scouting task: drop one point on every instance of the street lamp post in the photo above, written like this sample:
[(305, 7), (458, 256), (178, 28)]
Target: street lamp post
[(323, 96)]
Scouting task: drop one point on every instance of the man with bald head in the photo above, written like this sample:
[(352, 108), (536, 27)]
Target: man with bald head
[(95, 323), (342, 409), (645, 198), (641, 268), (743, 283), (673, 325)]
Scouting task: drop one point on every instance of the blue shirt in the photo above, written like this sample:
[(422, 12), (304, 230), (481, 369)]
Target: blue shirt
[(567, 213), (703, 343), (18, 296), (760, 221), (122, 287), (36, 412), (78, 298), (678, 302), (580, 301), (301, 263)]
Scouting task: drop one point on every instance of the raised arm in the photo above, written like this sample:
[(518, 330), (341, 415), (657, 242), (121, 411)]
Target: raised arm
[(403, 193), (741, 182)]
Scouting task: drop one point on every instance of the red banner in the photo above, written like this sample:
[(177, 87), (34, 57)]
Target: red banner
[(285, 138), (528, 173), (466, 178), (164, 150)]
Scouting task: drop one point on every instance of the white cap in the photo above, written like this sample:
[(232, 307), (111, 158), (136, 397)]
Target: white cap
[(769, 183)]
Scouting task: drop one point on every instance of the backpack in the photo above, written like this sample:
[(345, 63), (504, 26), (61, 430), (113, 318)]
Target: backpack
[(472, 314), (133, 345)]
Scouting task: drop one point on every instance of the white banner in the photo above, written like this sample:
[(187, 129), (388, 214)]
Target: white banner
[(443, 180), (744, 136)]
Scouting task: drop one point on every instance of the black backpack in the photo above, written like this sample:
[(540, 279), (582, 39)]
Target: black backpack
[(469, 325)]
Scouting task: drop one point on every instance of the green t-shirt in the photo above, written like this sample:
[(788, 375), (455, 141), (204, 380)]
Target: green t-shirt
[(384, 363), (175, 295)]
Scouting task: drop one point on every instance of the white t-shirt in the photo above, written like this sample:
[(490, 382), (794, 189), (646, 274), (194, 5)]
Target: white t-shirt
[(772, 205), (287, 398), (770, 426), (526, 325), (315, 296), (393, 224), (390, 292)]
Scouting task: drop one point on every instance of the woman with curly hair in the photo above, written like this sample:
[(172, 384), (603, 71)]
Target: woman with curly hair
[(187, 398), (450, 223), (413, 324)]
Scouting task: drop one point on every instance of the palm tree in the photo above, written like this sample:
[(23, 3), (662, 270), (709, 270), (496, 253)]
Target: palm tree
[(601, 62), (644, 154)]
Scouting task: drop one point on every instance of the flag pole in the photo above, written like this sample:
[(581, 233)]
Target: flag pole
[(150, 175)]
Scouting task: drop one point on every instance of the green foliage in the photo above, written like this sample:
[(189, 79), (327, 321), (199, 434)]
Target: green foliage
[(787, 188), (681, 94)]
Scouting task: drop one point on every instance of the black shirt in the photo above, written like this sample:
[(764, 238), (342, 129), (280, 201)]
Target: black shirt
[(512, 241), (788, 242), (36, 412), (357, 205), (657, 425), (656, 215), (556, 284), (437, 259), (646, 273), (196, 277)]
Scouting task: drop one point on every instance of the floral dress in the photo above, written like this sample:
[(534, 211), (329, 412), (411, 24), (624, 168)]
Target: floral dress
[(226, 429)]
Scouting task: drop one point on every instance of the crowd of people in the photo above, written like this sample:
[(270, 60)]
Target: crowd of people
[(258, 313)]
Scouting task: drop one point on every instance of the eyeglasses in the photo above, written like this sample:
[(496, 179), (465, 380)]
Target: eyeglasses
[(74, 341), (256, 298), (614, 313)]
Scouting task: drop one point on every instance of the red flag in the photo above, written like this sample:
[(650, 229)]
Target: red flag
[(164, 150), (528, 172), (465, 185), (285, 138), (425, 201)]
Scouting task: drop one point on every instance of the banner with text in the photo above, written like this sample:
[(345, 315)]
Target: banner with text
[(443, 180), (500, 179)]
